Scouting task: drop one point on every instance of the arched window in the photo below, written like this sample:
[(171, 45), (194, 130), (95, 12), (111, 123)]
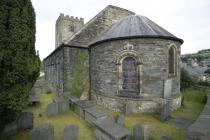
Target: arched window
[(172, 60), (129, 74)]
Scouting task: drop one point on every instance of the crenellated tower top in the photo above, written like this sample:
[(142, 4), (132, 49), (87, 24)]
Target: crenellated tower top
[(66, 26)]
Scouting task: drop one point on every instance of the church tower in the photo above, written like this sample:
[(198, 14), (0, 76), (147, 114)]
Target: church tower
[(65, 27)]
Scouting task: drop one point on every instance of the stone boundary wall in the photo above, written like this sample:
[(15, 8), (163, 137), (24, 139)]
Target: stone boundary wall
[(200, 130)]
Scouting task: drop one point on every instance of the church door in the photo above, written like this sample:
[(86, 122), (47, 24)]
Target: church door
[(130, 76)]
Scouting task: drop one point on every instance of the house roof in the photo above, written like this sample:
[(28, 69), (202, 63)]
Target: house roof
[(135, 26), (194, 71)]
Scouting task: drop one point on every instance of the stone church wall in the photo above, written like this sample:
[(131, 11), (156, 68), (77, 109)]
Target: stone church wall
[(53, 67), (76, 71), (154, 56)]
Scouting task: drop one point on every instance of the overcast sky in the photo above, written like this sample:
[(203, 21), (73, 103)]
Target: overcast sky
[(186, 19)]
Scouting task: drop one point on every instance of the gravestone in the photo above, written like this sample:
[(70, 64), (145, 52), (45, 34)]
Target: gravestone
[(92, 114), (166, 138), (80, 107), (63, 106), (121, 120), (147, 132), (52, 109), (70, 132), (33, 99), (128, 109), (42, 132), (165, 111), (25, 121), (138, 132), (109, 130)]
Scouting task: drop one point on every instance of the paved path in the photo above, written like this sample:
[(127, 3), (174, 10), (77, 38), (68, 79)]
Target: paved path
[(200, 130)]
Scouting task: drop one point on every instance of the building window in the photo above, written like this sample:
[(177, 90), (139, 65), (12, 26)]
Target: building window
[(71, 28), (129, 74), (172, 60)]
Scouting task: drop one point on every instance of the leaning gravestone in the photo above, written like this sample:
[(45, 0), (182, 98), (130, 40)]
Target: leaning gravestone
[(52, 109), (165, 111), (70, 132), (147, 132), (25, 121), (121, 120), (138, 132), (42, 132), (166, 138), (63, 106), (128, 109)]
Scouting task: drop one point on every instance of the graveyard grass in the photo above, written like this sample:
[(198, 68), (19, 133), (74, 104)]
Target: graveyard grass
[(59, 121), (193, 103)]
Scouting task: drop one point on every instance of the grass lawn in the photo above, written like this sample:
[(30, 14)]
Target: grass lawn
[(158, 128), (59, 121), (193, 103)]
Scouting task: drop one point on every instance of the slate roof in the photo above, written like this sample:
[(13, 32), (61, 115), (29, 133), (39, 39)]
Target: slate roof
[(194, 71), (135, 26)]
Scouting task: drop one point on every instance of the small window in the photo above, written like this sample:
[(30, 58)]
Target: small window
[(71, 28), (172, 60)]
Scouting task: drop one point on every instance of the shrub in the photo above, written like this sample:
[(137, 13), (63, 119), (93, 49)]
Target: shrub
[(186, 80), (19, 63)]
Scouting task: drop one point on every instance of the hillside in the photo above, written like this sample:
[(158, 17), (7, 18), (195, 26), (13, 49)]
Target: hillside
[(200, 55)]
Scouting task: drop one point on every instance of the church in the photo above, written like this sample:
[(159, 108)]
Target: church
[(114, 59)]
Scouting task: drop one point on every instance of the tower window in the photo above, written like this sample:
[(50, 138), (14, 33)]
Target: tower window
[(71, 28)]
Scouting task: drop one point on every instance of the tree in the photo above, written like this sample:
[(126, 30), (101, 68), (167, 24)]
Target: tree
[(207, 71), (19, 63), (186, 79)]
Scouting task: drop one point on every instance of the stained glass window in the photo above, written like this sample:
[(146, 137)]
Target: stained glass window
[(129, 70)]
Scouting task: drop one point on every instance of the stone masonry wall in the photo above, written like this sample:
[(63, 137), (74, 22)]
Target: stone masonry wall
[(53, 67), (65, 27), (76, 71), (138, 105), (98, 25), (154, 57)]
